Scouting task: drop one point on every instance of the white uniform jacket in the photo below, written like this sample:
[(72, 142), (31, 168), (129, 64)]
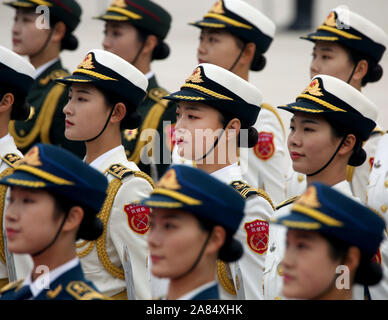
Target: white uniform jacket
[(124, 223), (265, 165), (378, 200), (253, 235), (359, 176)]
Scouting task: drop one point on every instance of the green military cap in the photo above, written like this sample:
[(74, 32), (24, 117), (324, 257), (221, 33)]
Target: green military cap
[(67, 11), (143, 14)]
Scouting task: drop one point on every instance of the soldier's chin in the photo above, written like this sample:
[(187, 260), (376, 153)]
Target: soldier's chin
[(185, 153), (158, 273), (13, 248), (72, 137), (17, 49)]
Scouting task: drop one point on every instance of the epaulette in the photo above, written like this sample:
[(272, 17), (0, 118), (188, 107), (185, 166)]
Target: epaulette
[(81, 291), (246, 191), (11, 159), (56, 74), (12, 285), (119, 171), (286, 202), (157, 95), (243, 188)]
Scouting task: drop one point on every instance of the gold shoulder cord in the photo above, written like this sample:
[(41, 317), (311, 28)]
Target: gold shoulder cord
[(263, 194), (43, 122), (151, 121), (3, 191), (349, 173), (225, 281), (104, 214), (141, 174), (273, 110)]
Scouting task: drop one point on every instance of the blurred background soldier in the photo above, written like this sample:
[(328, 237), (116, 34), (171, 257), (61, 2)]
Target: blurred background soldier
[(42, 40), (349, 47)]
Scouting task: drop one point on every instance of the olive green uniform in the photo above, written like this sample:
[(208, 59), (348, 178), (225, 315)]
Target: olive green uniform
[(154, 111)]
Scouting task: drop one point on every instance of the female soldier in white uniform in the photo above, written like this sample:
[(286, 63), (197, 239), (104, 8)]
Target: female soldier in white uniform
[(331, 119), (213, 105), (104, 94), (348, 47)]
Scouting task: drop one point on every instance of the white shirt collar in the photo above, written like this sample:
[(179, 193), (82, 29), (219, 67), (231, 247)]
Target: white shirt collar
[(344, 187), (6, 138), (228, 174), (149, 75), (36, 286), (43, 67), (193, 293), (97, 162)]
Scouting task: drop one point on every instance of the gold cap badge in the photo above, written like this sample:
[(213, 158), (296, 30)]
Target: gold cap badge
[(196, 77), (87, 63), (169, 181), (119, 3), (330, 20), (217, 8), (314, 89), (309, 198), (32, 158)]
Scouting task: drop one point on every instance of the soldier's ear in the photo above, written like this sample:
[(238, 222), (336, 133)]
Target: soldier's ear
[(233, 128), (249, 53), (119, 112), (58, 32), (216, 240), (150, 44), (74, 219), (6, 102)]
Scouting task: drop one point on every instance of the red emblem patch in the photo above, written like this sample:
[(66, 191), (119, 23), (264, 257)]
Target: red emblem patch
[(138, 217), (371, 161), (170, 136), (265, 147), (257, 235), (377, 257)]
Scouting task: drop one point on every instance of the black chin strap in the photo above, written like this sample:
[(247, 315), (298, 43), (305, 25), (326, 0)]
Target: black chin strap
[(138, 53), (103, 129), (331, 159), (351, 75), (214, 145), (198, 258), (238, 58), (55, 238)]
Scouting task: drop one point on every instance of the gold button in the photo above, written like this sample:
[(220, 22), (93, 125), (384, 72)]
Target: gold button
[(383, 208), (300, 177), (22, 133), (280, 270), (386, 184)]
